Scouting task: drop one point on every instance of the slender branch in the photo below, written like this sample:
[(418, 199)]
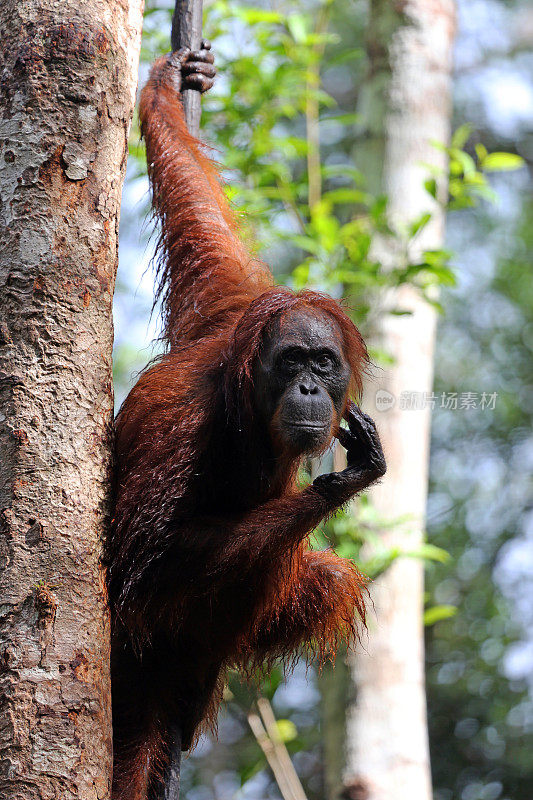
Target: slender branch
[(267, 746), (312, 111), (313, 137), (265, 709)]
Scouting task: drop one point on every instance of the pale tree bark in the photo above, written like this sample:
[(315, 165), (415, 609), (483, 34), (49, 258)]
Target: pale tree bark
[(68, 79), (387, 743)]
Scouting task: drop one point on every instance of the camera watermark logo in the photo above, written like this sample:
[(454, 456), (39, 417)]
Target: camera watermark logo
[(384, 400), (453, 401)]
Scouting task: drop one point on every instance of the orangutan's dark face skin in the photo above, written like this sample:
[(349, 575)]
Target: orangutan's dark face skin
[(301, 381)]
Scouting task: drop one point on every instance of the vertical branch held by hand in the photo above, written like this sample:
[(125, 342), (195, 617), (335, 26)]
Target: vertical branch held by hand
[(187, 32)]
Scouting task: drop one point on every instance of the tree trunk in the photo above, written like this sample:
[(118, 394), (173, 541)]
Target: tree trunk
[(67, 87), (334, 683), (387, 753)]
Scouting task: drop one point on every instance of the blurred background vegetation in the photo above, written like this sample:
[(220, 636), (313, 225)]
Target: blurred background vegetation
[(282, 71)]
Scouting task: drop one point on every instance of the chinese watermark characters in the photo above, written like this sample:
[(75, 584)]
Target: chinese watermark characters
[(452, 401)]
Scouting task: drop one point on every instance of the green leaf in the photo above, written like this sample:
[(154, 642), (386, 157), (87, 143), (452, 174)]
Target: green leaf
[(345, 119), (462, 135), (287, 730), (253, 15), (502, 162), (481, 152), (429, 552), (455, 167), (379, 208), (438, 145), (460, 204), (439, 308), (345, 195), (436, 613), (419, 223), (378, 563), (307, 243), (437, 258), (296, 24), (431, 187), (251, 769), (466, 161)]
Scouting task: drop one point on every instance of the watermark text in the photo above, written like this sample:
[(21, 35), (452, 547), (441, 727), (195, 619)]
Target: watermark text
[(452, 401)]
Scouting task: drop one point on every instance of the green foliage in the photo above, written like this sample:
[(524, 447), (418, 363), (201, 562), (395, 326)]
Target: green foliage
[(480, 716), (313, 220), (438, 613), (467, 182), (353, 535)]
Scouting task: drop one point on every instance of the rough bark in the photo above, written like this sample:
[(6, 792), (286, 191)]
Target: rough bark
[(388, 755), (67, 86)]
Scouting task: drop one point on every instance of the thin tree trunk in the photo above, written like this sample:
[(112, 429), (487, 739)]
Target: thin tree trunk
[(187, 32), (67, 87), (388, 755), (334, 683)]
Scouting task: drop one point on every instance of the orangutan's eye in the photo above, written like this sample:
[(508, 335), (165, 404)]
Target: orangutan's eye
[(324, 361), (291, 357)]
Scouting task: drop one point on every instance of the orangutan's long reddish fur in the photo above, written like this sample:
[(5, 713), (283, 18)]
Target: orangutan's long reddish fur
[(208, 563)]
